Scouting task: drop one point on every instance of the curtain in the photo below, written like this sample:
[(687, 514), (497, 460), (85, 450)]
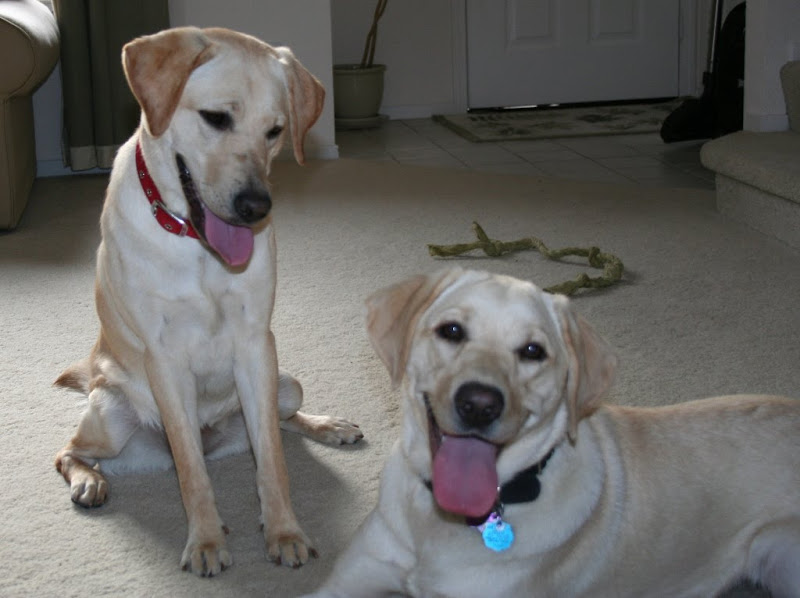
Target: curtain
[(100, 112)]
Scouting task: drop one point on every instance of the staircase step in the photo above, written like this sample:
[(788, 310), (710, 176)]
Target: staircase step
[(758, 180), (766, 161)]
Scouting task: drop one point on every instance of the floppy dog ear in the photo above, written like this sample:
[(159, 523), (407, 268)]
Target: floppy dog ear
[(592, 363), (393, 313), (157, 68), (306, 96)]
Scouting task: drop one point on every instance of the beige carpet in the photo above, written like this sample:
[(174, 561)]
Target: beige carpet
[(708, 306)]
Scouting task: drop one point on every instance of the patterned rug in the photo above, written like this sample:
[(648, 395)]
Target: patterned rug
[(551, 123)]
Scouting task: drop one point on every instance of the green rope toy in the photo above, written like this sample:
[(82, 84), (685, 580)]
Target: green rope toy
[(610, 264)]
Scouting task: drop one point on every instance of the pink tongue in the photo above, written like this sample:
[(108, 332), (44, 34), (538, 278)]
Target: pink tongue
[(464, 476), (233, 243)]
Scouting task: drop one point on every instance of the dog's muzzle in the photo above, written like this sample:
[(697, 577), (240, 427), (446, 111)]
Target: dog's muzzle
[(464, 474), (232, 242)]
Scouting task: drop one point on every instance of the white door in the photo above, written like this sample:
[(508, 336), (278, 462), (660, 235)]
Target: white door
[(525, 52)]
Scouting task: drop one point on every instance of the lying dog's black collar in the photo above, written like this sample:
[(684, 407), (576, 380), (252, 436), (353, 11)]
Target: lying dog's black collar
[(523, 487)]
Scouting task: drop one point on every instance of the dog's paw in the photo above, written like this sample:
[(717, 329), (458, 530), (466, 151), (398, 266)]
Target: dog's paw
[(323, 428), (340, 431), (289, 549), (206, 559), (331, 430), (88, 488)]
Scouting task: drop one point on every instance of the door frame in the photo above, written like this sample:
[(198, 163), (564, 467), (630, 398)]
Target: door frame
[(691, 49)]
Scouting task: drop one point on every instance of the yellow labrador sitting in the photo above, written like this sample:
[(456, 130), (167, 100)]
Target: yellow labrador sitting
[(185, 363), (511, 479)]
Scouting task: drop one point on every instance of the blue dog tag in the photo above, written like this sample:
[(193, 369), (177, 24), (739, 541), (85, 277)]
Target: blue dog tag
[(497, 534)]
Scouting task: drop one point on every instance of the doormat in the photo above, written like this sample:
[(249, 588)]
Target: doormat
[(552, 123)]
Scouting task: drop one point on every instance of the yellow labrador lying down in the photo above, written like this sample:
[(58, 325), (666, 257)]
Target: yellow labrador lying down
[(501, 388), (185, 363)]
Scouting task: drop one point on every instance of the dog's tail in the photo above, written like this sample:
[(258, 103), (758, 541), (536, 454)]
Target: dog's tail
[(76, 377)]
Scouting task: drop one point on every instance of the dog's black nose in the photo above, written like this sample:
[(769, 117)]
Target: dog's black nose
[(478, 405), (252, 205)]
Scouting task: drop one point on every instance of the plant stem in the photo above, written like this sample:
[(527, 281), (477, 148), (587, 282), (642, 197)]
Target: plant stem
[(369, 48)]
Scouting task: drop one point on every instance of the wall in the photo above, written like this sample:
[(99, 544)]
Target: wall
[(772, 37), (304, 25), (418, 40)]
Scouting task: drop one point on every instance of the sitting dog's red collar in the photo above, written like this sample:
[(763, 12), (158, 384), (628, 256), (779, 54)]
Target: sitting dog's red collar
[(168, 221)]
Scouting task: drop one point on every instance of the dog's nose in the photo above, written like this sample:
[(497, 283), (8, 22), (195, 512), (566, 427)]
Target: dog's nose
[(478, 405), (252, 205)]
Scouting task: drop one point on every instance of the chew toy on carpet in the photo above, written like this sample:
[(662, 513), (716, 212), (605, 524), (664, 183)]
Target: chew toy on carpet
[(610, 264)]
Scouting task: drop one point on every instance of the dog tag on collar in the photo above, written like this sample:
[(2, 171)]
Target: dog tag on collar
[(497, 534)]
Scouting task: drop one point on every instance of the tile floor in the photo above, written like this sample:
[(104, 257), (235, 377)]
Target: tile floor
[(633, 159)]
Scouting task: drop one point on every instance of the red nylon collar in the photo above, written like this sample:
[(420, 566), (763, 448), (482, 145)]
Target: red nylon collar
[(168, 221)]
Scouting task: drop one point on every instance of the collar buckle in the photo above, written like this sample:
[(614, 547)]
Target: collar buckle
[(168, 219)]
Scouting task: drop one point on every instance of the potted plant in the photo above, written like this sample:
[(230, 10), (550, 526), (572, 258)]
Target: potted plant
[(358, 88)]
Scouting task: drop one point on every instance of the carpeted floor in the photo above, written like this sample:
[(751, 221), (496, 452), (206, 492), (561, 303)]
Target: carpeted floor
[(559, 122), (708, 307)]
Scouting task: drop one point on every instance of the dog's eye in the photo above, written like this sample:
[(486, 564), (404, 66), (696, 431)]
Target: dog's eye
[(274, 132), (451, 331), (532, 352), (221, 121)]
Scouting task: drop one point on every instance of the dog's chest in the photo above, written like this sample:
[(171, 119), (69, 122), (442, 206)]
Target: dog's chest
[(457, 563), (208, 328)]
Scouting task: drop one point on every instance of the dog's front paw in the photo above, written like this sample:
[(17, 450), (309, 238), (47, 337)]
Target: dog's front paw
[(206, 558), (336, 430), (88, 488), (289, 549), (333, 430)]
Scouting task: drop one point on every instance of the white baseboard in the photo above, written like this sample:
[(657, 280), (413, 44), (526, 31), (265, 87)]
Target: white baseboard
[(312, 152), (420, 110), (323, 152), (51, 168), (765, 123)]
